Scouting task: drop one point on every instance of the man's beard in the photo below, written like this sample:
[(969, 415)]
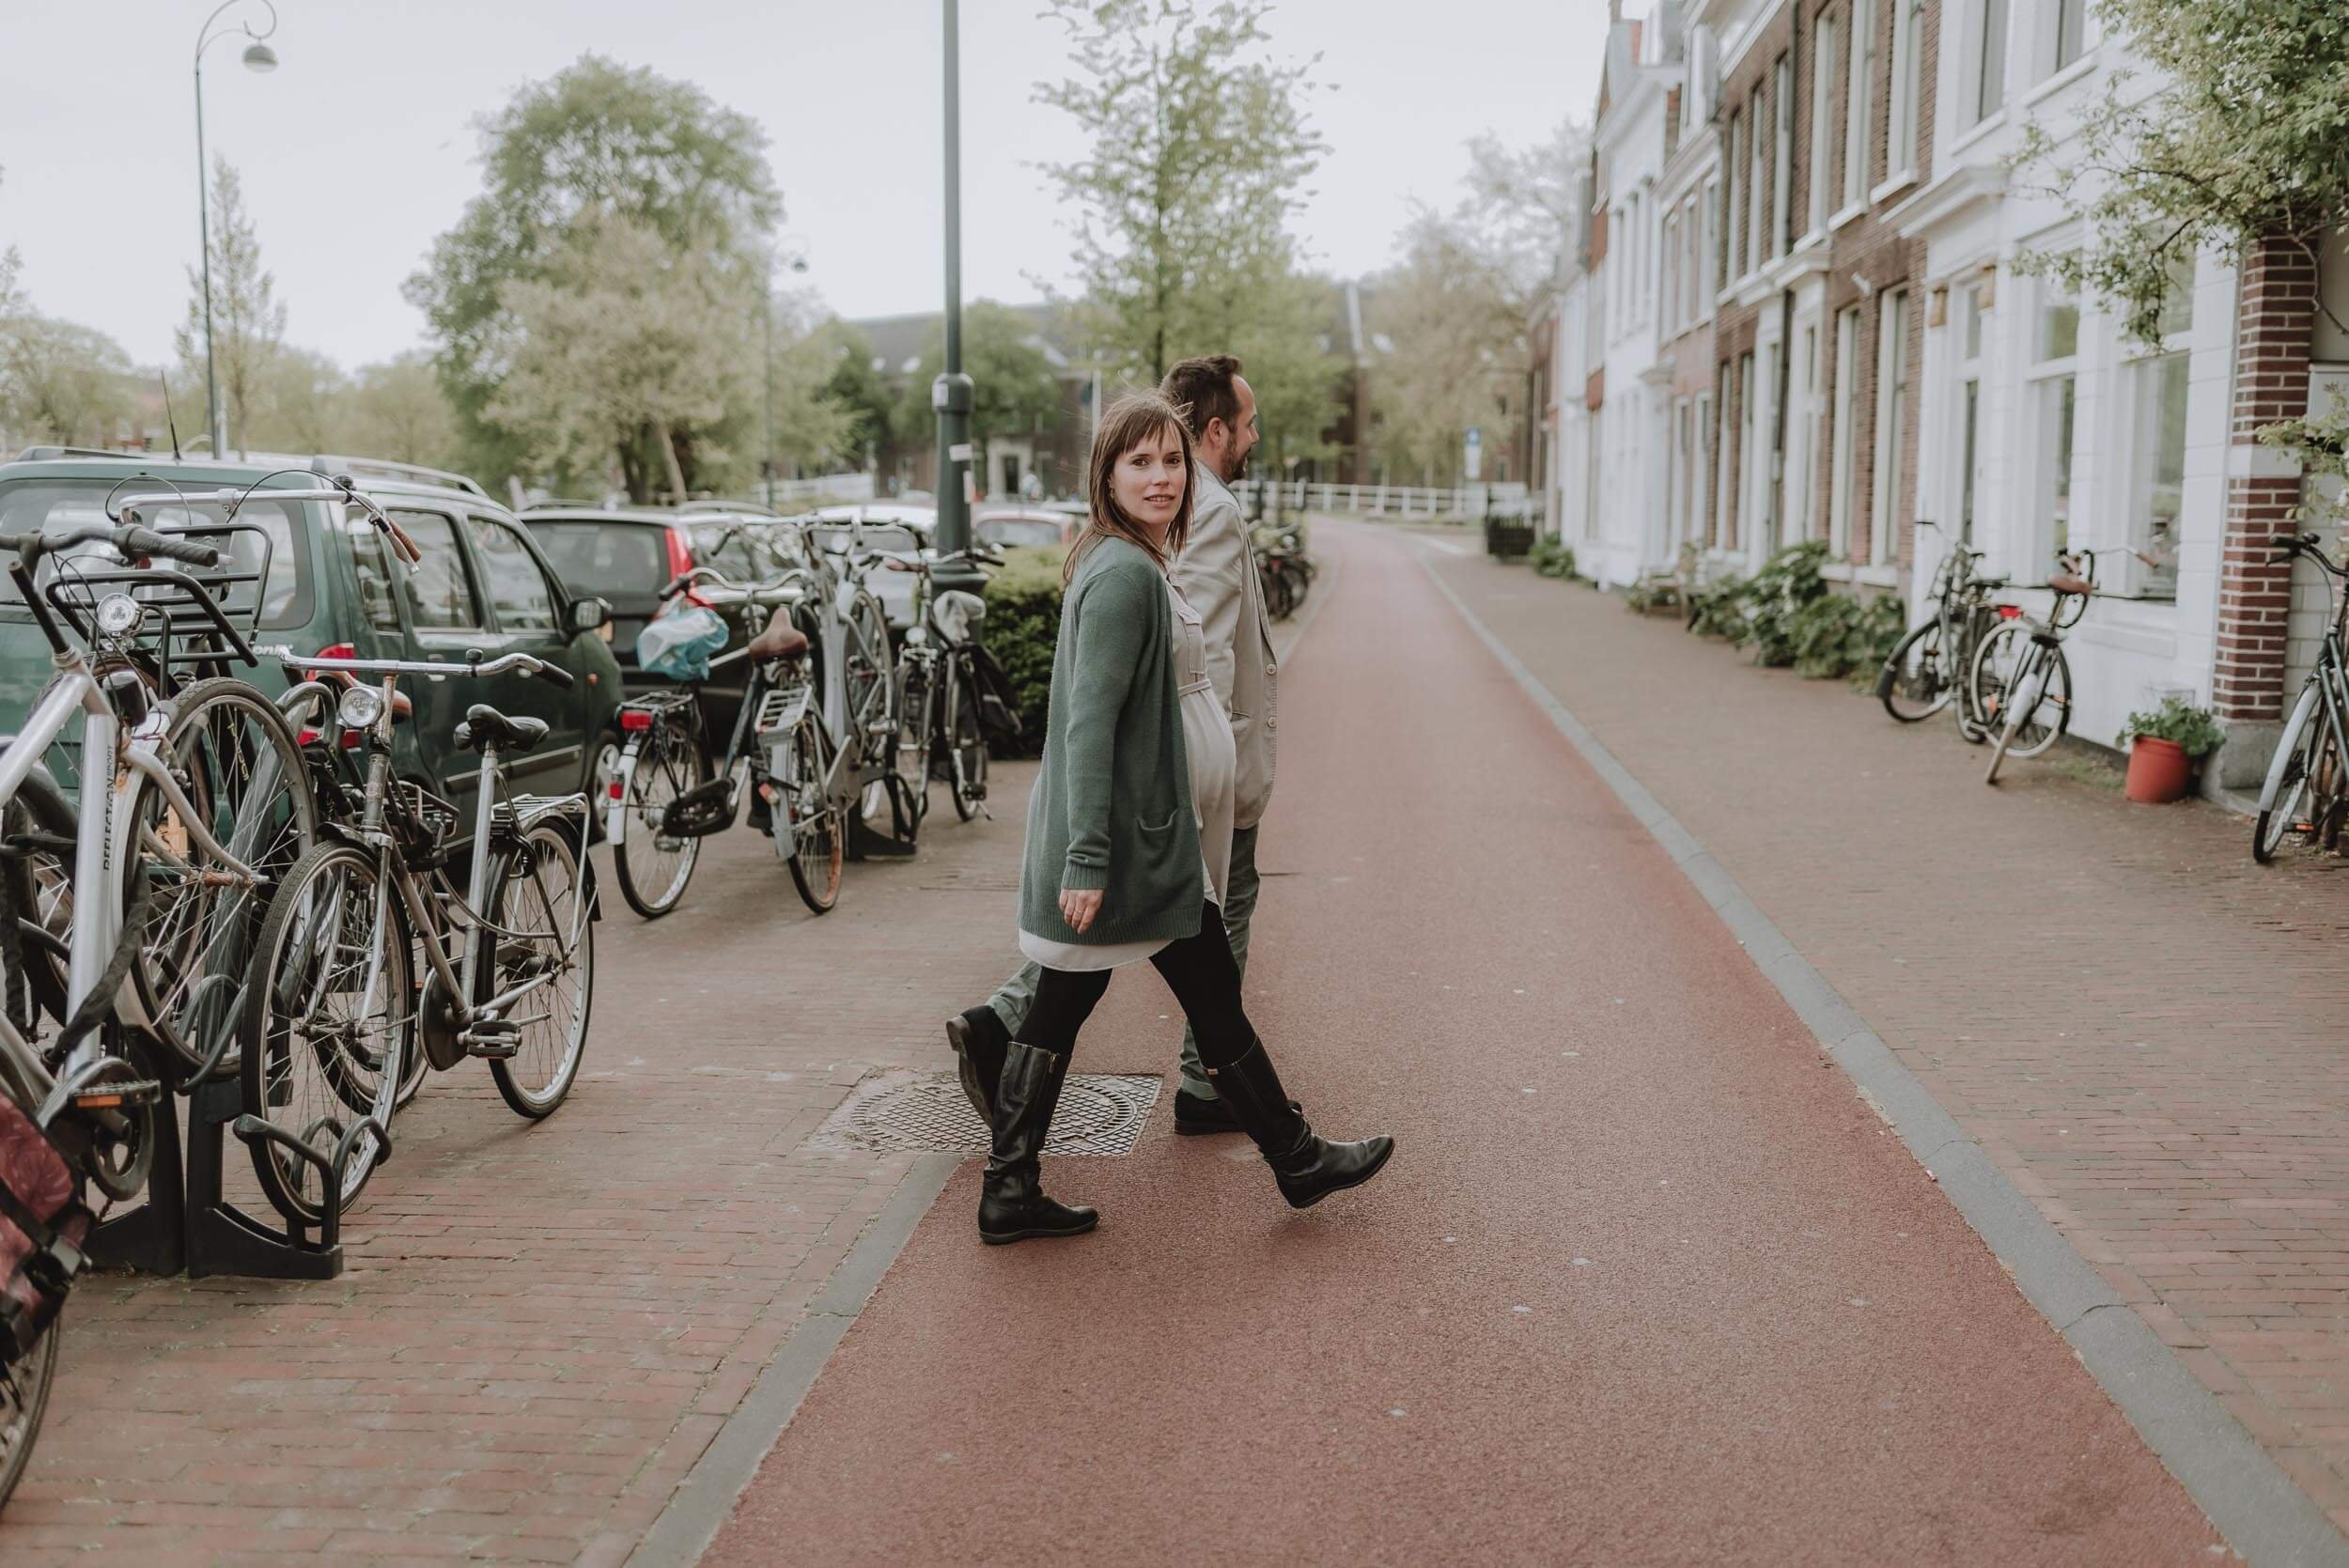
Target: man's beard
[(1239, 470)]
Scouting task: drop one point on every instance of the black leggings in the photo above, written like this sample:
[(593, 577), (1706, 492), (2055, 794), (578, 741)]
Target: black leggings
[(1198, 970)]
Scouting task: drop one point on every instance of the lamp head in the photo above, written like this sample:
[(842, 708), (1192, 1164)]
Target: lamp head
[(260, 57)]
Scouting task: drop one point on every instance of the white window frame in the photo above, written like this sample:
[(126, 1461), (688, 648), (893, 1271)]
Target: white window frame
[(1701, 495), (1903, 133), (1966, 439), (1748, 425), (1757, 183), (1822, 116), (2047, 377), (1892, 401), (1986, 82), (2067, 24), (1845, 418), (1782, 165), (2141, 372), (1859, 105)]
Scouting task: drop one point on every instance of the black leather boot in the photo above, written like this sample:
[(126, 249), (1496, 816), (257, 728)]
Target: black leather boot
[(979, 1039), (1012, 1204), (1307, 1166)]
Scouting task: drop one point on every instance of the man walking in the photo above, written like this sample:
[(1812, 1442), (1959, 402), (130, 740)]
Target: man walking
[(1217, 574)]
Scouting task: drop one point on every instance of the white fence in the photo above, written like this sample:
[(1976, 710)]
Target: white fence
[(830, 487), (1392, 501)]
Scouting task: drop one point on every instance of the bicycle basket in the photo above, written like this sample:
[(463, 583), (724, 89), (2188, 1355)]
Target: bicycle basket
[(678, 646), (193, 612), (42, 1227)]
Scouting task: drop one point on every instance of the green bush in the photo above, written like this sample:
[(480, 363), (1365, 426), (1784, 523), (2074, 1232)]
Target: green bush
[(2194, 729), (1773, 597), (1023, 625), (1837, 636), (1552, 557), (1717, 610)]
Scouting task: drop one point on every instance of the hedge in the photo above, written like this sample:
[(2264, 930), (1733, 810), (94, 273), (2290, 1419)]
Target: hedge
[(1023, 625)]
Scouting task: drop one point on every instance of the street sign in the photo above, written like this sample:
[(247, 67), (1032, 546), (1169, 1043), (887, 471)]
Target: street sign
[(1472, 460)]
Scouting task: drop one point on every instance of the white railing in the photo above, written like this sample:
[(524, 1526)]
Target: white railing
[(1391, 500)]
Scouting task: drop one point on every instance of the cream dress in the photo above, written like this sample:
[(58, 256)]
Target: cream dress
[(1214, 777)]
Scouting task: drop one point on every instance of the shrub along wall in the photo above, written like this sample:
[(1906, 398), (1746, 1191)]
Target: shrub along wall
[(1023, 625)]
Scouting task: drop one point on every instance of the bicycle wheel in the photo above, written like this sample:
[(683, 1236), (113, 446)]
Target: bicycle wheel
[(811, 832), (234, 757), (2005, 670), (911, 761), (1915, 683), (40, 891), (2286, 787), (654, 865), (868, 673), (967, 748), (331, 1002), (24, 1400), (545, 937)]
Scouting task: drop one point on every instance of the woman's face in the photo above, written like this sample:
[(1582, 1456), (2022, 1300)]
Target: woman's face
[(1149, 480)]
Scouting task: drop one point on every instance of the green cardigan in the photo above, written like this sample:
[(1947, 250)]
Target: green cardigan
[(1112, 808)]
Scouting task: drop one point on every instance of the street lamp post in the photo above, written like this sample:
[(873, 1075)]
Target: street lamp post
[(258, 56), (950, 395)]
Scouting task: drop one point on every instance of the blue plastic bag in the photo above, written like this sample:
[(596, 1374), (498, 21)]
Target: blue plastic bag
[(678, 646)]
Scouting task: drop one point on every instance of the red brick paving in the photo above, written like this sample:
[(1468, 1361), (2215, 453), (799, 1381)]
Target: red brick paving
[(539, 1328), (2141, 1027)]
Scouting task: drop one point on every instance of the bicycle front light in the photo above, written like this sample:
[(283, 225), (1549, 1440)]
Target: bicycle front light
[(362, 706), (120, 615)]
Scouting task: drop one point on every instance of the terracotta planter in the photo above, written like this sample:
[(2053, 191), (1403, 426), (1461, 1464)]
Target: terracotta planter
[(2159, 770)]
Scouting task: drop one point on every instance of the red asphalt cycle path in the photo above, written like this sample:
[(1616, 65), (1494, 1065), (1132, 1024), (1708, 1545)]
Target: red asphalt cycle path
[(1646, 1282)]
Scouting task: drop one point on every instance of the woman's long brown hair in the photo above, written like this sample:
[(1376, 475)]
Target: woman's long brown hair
[(1133, 419)]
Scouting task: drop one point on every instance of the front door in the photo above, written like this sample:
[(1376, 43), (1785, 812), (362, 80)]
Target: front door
[(446, 618), (525, 617)]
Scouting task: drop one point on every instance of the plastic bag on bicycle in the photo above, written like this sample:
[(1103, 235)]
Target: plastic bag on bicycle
[(678, 646), (43, 1226)]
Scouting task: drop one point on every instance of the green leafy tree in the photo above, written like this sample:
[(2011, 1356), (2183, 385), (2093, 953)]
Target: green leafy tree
[(1199, 151), (807, 423), (1013, 388), (858, 391), (59, 382), (248, 318), (2246, 141), (653, 154), (398, 411), (304, 404)]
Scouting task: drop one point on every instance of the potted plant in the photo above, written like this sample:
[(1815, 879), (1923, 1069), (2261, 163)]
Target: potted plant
[(2163, 747)]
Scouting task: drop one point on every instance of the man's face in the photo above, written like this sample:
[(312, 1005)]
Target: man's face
[(1241, 440)]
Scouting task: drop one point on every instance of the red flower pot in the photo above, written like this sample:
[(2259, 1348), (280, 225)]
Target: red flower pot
[(2159, 770)]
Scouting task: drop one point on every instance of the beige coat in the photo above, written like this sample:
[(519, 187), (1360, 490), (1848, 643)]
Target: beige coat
[(1217, 573)]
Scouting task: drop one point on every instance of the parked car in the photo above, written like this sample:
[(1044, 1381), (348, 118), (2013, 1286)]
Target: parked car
[(1008, 526), (627, 555), (887, 526), (329, 586)]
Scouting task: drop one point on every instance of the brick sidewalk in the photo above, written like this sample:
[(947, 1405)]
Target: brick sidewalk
[(539, 1328), (2141, 1027)]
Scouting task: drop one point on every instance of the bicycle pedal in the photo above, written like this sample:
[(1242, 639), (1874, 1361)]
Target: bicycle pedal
[(113, 1097), (492, 1039)]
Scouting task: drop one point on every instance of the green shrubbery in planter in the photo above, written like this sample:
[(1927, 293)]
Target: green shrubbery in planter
[(1023, 625), (1787, 582), (2193, 730), (1552, 557), (1837, 636), (1719, 609)]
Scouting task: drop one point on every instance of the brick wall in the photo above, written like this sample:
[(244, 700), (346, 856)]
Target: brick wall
[(2276, 315)]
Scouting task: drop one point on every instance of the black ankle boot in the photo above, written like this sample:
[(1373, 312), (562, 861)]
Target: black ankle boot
[(1307, 1166), (979, 1039), (1012, 1204)]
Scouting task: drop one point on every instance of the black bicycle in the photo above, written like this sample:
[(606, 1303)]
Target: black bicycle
[(945, 705), (1933, 663)]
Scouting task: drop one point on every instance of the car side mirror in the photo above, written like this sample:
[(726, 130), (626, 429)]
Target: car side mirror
[(590, 614)]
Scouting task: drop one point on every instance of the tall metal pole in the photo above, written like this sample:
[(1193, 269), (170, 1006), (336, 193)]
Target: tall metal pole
[(213, 410), (950, 395)]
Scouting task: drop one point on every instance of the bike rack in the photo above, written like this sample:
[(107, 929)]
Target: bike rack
[(186, 1226)]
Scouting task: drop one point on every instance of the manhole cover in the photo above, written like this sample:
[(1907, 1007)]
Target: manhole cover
[(1100, 1114)]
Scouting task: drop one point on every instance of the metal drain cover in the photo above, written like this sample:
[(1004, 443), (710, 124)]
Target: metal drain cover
[(1100, 1114)]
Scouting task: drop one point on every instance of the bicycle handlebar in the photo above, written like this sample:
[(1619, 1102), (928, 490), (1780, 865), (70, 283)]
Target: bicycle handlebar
[(2307, 545), (229, 498), (474, 664), (683, 580), (128, 538)]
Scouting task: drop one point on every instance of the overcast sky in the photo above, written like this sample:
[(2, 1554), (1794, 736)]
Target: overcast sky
[(360, 148)]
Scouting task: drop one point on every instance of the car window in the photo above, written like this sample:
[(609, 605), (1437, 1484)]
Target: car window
[(616, 560), (519, 591), (729, 548), (877, 536), (441, 590), (377, 605), (53, 507)]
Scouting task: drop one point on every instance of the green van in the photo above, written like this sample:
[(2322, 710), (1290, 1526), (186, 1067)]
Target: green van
[(331, 584)]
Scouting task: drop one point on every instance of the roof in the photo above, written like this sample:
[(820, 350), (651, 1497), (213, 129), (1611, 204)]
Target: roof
[(898, 341), (372, 475)]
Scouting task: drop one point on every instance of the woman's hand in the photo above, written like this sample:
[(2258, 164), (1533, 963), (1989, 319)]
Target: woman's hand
[(1078, 907)]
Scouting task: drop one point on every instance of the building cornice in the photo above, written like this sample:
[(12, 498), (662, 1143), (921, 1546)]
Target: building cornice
[(1947, 199)]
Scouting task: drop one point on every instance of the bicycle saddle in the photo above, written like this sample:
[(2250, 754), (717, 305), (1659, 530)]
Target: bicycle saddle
[(780, 640), (2064, 582), (485, 727)]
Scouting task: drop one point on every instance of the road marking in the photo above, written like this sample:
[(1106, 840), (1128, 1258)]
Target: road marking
[(2254, 1503)]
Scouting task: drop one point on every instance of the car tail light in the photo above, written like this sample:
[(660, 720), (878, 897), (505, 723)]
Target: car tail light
[(635, 718), (339, 650), (681, 562), (2010, 612)]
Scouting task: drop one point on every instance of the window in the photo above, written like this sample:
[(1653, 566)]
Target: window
[(1764, 452), (52, 507), (1846, 420), (1907, 65), (2158, 391), (1672, 273), (1858, 108), (1710, 284), (1969, 411), (1757, 182), (378, 603), (1805, 520), (1747, 426), (1822, 114), (1891, 421), (519, 591), (2055, 337), (1723, 490), (440, 590), (1990, 65), (1701, 490), (1782, 158), (1733, 240), (2071, 25)]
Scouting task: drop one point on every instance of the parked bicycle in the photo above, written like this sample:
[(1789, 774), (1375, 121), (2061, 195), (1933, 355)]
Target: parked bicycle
[(1286, 571), (941, 698), (338, 1024), (1932, 664), (2021, 684), (2304, 790)]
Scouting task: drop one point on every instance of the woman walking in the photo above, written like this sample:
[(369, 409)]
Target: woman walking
[(1129, 835)]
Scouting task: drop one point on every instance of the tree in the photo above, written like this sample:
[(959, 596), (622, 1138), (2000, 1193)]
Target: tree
[(1199, 154), (858, 391), (1013, 388), (248, 319), (622, 346), (398, 410), (304, 404), (59, 382), (653, 155), (2248, 142)]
